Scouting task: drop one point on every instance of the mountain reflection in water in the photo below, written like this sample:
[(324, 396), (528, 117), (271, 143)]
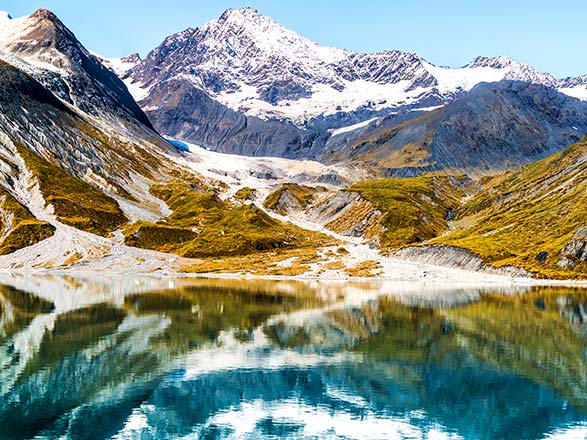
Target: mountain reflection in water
[(260, 359)]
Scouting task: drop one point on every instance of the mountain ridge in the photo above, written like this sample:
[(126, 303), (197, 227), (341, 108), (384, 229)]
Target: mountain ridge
[(245, 84), (270, 64)]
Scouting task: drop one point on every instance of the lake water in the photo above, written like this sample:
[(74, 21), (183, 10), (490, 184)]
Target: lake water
[(215, 359)]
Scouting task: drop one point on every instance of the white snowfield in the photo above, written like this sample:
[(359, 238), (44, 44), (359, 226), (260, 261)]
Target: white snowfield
[(117, 65)]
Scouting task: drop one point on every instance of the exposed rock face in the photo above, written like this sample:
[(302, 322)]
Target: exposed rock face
[(347, 213), (455, 257), (288, 203), (234, 51), (575, 251), (181, 111)]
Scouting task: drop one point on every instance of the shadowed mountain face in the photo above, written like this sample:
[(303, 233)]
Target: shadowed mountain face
[(184, 112), (262, 360), (493, 128), (51, 128)]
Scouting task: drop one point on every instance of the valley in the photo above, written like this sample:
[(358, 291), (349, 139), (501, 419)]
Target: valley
[(204, 158)]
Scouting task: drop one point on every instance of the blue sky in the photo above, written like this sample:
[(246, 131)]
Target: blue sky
[(552, 36)]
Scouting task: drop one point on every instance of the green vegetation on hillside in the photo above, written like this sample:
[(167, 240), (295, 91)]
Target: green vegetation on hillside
[(75, 202), (414, 209), (202, 225), (379, 148), (526, 212), (24, 229)]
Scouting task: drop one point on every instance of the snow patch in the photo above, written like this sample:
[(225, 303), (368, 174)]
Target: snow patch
[(579, 92), (350, 128), (325, 100), (137, 90), (450, 80), (118, 65)]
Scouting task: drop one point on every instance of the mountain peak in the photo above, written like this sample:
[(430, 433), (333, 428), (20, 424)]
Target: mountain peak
[(47, 19), (44, 14), (243, 12), (245, 33), (42, 46), (40, 36), (248, 18)]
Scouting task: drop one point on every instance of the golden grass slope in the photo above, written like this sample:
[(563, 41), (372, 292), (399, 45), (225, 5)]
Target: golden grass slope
[(522, 218), (202, 225), (527, 211), (75, 202), (414, 209)]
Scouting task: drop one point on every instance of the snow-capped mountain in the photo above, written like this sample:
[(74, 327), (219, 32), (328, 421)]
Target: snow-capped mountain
[(86, 180), (252, 64)]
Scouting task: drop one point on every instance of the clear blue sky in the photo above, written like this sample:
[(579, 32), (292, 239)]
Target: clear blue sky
[(551, 35)]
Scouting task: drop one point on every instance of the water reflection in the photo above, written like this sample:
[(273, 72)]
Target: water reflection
[(259, 359)]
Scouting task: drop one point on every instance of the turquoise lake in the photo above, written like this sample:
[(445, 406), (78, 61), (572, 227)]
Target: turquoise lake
[(227, 359)]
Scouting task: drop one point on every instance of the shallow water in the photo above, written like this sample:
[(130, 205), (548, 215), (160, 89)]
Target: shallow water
[(214, 359)]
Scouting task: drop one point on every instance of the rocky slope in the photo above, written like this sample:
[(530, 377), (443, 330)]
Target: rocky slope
[(531, 218), (495, 127)]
